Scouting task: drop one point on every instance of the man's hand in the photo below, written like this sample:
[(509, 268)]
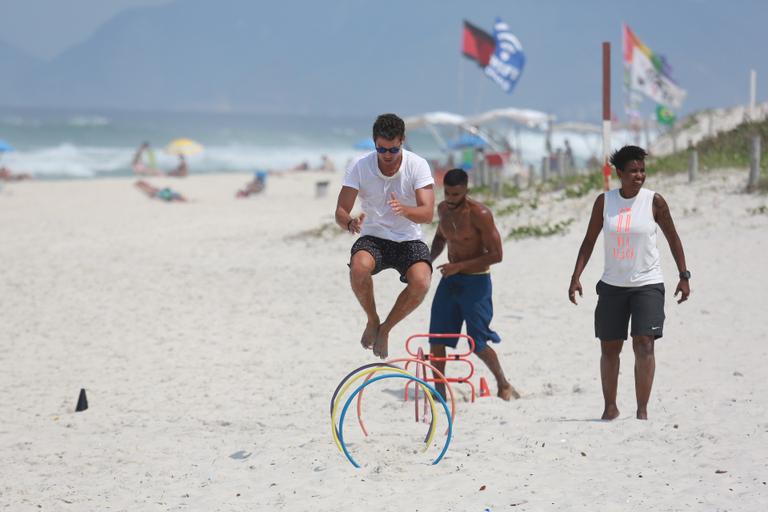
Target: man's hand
[(449, 269), (684, 289), (355, 224), (394, 203), (575, 287)]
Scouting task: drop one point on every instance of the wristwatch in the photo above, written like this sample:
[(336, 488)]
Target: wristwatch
[(685, 274)]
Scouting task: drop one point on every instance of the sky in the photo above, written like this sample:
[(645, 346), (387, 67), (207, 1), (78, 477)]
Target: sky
[(45, 28), (711, 45)]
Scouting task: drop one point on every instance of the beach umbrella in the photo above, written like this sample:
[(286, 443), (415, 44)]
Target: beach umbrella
[(467, 141), (365, 144), (184, 147), (5, 147)]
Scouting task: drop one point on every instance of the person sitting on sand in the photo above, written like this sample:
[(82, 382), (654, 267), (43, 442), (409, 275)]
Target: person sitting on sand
[(139, 167), (255, 186), (395, 187), (632, 285), (166, 194), (7, 175), (181, 170), (327, 165), (464, 294)]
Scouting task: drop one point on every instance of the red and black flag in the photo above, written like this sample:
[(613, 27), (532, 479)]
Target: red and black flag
[(478, 44)]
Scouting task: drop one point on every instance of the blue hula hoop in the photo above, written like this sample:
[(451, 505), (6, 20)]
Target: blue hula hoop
[(393, 376)]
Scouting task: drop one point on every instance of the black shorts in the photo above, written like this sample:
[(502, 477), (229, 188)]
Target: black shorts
[(616, 304), (397, 255)]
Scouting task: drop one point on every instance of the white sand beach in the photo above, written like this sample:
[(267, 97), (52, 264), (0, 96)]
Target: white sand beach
[(209, 336)]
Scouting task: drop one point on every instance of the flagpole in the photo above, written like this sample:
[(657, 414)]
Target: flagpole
[(606, 114)]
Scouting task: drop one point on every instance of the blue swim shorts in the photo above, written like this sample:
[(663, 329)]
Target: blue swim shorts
[(463, 298)]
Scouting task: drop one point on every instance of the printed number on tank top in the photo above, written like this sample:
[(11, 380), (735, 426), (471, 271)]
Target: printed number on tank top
[(623, 250)]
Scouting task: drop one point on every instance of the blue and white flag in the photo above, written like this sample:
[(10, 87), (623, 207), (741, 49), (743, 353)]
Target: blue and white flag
[(508, 59)]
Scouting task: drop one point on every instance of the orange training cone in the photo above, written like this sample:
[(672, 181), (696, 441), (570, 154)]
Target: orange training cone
[(484, 391)]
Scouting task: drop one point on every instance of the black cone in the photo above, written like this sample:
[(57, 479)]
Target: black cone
[(82, 402)]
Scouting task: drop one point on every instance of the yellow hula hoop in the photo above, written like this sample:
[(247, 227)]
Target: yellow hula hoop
[(334, 432)]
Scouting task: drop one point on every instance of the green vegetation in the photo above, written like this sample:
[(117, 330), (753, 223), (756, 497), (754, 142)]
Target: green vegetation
[(584, 184), (325, 230), (538, 231), (728, 149), (760, 210)]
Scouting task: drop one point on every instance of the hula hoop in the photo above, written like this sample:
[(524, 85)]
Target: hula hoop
[(336, 392), (423, 363), (381, 367), (395, 376)]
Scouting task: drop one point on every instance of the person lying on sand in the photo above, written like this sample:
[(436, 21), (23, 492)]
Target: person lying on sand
[(7, 175), (255, 186), (166, 194)]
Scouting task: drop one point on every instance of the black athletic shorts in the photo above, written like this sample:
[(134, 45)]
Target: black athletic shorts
[(617, 304), (397, 255)]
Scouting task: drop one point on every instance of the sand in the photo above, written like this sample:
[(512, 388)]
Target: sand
[(210, 335)]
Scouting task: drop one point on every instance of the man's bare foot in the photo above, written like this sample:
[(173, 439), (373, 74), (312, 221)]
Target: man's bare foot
[(380, 348), (642, 415), (508, 392), (369, 335), (611, 412)]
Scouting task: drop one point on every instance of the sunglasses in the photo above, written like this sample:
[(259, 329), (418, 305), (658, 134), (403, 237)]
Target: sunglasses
[(381, 150)]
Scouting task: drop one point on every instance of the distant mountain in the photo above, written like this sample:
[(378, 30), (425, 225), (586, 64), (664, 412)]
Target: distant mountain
[(351, 57)]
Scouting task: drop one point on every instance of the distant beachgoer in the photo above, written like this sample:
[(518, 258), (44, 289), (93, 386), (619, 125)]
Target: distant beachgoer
[(327, 165), (139, 167), (255, 186), (181, 170), (395, 187), (166, 194), (303, 166), (7, 175), (464, 294), (570, 162), (632, 285)]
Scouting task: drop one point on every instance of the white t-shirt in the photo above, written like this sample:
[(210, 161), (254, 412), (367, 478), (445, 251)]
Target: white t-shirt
[(629, 232), (375, 189)]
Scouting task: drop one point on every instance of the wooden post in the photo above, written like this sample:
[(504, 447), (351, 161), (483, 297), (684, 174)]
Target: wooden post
[(752, 95), (544, 168), (754, 164), (606, 115), (531, 176), (693, 164)]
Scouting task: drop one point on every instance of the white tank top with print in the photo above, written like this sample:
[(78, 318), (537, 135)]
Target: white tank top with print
[(629, 232)]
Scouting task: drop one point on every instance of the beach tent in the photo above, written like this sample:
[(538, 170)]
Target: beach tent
[(432, 120), (527, 117)]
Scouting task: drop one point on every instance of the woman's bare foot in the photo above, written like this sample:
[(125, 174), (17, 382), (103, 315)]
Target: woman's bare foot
[(369, 334), (611, 412), (642, 414), (508, 392)]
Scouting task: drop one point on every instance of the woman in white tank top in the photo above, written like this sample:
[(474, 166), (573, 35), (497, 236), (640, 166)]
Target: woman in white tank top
[(632, 285)]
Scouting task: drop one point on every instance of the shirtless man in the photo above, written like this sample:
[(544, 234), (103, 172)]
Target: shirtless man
[(464, 292), (395, 189)]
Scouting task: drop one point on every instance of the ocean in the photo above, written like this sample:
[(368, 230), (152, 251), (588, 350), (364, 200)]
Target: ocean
[(90, 143)]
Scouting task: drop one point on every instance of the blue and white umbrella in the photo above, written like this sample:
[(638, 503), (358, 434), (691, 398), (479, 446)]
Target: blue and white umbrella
[(5, 147), (365, 144), (467, 141)]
